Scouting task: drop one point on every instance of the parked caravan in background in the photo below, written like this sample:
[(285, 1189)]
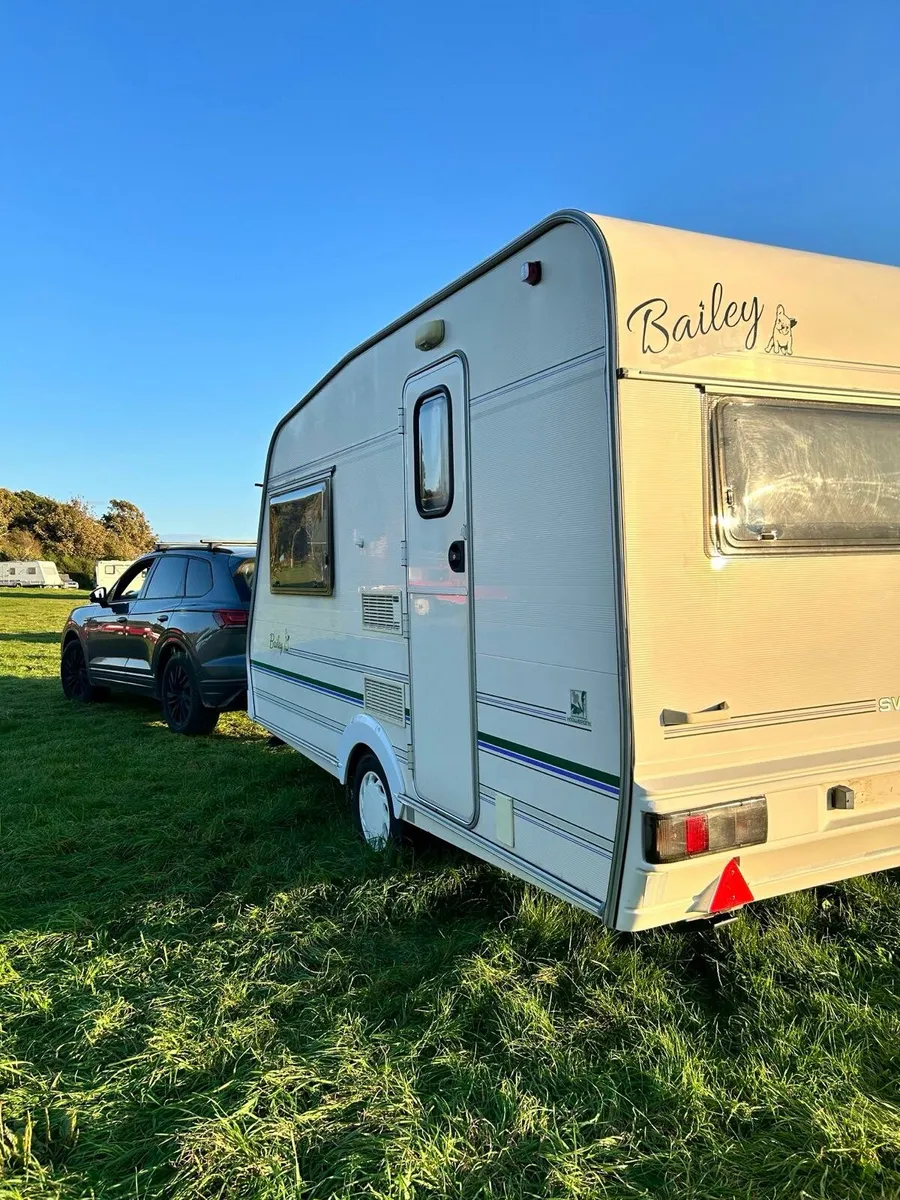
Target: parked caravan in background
[(31, 573), (108, 570), (588, 565)]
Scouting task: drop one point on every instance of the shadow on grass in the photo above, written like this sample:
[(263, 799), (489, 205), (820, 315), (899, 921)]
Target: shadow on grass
[(47, 639)]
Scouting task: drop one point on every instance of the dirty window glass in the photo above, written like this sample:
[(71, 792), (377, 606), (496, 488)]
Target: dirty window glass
[(300, 555), (434, 464), (809, 473)]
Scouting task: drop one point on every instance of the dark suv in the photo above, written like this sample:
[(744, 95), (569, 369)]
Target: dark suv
[(173, 626)]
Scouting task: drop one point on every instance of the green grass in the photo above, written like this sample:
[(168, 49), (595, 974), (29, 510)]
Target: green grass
[(209, 988)]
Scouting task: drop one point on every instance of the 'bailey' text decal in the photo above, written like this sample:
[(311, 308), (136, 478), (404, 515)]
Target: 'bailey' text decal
[(658, 329)]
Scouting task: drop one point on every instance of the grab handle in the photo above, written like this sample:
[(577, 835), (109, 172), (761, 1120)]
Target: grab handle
[(703, 716)]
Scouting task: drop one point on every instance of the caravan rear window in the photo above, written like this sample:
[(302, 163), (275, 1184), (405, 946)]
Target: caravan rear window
[(300, 552), (806, 475)]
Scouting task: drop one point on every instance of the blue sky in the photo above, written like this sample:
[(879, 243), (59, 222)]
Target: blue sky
[(203, 205)]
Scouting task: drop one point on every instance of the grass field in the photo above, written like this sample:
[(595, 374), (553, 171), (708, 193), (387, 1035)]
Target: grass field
[(209, 988)]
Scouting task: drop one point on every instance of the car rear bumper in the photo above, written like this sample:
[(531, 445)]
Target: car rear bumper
[(227, 694)]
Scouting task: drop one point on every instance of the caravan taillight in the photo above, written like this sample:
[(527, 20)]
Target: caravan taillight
[(671, 837), (230, 616)]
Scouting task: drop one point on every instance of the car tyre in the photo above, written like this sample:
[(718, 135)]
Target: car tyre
[(182, 704), (74, 677), (372, 805)]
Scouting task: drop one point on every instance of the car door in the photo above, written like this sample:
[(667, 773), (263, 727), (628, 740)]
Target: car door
[(149, 616), (104, 629)]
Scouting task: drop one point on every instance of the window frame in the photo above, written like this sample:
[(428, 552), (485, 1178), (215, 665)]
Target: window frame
[(300, 491), (721, 543), (417, 477)]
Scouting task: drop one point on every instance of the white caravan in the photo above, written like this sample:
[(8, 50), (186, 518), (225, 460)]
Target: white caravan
[(589, 565), (108, 570), (30, 573)]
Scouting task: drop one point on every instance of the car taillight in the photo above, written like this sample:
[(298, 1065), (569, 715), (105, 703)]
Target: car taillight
[(671, 837), (230, 616)]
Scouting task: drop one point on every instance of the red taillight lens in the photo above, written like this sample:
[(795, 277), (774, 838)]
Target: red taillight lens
[(696, 834), (230, 616), (671, 837)]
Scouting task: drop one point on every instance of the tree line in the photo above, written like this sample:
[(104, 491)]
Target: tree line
[(68, 533)]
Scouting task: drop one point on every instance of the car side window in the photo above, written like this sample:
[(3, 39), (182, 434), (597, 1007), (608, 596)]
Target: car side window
[(199, 578), (167, 581), (130, 584)]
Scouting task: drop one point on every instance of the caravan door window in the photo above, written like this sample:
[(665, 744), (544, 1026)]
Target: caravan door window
[(433, 456), (300, 551), (807, 476)]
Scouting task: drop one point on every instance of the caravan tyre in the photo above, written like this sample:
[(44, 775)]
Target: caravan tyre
[(373, 807), (73, 675), (182, 704)]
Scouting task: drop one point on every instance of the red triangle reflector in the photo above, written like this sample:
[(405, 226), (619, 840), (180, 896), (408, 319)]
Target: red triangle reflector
[(731, 890)]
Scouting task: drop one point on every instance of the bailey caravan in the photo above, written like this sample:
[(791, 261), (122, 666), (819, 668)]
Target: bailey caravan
[(588, 565)]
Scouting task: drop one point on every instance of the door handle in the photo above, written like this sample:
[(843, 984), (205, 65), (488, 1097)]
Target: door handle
[(456, 556), (162, 620), (703, 716)]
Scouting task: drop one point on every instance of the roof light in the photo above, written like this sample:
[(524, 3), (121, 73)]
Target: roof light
[(672, 837), (530, 272)]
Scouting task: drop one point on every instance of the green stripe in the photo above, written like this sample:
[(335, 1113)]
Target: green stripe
[(551, 759), (331, 687)]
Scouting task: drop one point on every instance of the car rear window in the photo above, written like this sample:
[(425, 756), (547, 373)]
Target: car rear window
[(242, 570)]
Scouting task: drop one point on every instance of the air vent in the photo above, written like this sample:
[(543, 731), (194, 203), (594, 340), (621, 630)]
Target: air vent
[(385, 699), (382, 611)]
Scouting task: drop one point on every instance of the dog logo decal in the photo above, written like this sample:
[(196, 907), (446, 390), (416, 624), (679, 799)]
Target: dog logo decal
[(782, 339)]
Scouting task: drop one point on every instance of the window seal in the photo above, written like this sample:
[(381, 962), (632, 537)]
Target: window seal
[(417, 485)]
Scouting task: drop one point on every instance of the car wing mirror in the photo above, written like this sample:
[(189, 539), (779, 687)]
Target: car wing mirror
[(98, 596)]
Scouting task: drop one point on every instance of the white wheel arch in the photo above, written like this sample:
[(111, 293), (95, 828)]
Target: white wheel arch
[(364, 730)]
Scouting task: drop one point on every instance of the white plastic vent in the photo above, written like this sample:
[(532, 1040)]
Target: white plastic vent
[(382, 611), (385, 699)]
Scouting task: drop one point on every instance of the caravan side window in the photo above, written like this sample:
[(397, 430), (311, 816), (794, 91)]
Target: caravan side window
[(433, 455), (301, 558), (32, 570), (806, 475)]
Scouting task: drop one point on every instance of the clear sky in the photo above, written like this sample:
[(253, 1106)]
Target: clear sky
[(204, 204)]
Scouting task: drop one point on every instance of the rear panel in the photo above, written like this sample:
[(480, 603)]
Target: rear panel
[(803, 648)]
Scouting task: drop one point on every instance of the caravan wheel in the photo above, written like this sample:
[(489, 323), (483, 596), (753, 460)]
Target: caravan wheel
[(372, 804)]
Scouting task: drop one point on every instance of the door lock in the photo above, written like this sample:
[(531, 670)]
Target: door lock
[(456, 556)]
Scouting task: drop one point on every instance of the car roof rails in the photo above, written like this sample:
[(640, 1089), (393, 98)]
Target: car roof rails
[(216, 545)]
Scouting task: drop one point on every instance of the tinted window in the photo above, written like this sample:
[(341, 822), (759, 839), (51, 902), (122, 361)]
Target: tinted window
[(32, 570), (434, 466), (167, 581), (243, 569), (199, 577), (300, 558)]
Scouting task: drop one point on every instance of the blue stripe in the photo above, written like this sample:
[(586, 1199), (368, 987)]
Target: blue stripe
[(560, 772)]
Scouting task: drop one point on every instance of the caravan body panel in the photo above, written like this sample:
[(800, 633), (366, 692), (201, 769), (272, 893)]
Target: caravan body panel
[(528, 771)]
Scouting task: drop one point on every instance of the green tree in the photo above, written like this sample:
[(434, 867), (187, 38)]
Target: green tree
[(129, 527)]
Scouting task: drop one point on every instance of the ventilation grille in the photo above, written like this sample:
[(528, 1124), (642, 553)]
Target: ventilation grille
[(385, 699), (382, 611)]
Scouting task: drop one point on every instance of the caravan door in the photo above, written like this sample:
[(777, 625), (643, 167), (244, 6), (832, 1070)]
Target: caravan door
[(438, 594)]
